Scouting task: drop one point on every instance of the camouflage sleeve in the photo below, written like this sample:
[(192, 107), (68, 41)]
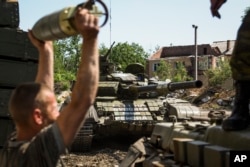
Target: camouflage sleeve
[(240, 61), (46, 148)]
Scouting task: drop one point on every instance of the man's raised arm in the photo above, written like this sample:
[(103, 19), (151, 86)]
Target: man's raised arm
[(45, 74), (84, 91)]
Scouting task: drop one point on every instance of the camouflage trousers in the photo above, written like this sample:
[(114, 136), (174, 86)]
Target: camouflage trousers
[(240, 61)]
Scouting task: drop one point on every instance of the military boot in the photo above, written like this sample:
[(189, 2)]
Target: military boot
[(239, 118)]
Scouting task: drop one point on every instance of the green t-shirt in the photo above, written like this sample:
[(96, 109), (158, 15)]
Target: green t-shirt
[(43, 150)]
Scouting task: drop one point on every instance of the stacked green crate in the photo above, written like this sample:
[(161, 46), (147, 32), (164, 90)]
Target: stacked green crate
[(18, 61)]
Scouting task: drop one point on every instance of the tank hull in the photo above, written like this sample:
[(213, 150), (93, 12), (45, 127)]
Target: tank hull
[(188, 143)]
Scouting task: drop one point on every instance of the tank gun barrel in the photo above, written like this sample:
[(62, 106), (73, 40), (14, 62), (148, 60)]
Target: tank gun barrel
[(143, 89), (172, 86), (164, 88)]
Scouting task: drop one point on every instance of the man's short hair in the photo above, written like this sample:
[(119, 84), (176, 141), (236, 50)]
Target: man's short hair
[(24, 99)]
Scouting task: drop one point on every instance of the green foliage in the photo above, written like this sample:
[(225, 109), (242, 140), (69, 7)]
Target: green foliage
[(218, 75), (68, 51), (124, 54), (103, 49), (180, 73), (165, 71), (67, 57)]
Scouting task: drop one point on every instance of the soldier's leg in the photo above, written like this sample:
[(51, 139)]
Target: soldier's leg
[(239, 119), (240, 65)]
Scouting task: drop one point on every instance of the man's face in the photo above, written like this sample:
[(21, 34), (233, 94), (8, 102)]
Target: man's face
[(51, 110)]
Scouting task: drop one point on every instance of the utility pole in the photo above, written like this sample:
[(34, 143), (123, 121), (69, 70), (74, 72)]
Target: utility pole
[(196, 52)]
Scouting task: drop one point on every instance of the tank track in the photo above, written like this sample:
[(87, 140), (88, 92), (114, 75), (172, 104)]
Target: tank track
[(83, 140)]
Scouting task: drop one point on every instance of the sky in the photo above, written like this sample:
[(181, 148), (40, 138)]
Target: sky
[(151, 23)]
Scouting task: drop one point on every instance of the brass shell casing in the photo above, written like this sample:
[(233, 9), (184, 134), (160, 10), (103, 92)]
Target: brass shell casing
[(66, 22), (55, 26)]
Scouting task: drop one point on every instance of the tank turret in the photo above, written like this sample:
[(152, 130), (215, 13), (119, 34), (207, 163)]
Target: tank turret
[(162, 88), (126, 104)]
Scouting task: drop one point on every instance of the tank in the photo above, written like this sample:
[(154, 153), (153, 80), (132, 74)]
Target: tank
[(128, 104), (18, 61), (196, 141)]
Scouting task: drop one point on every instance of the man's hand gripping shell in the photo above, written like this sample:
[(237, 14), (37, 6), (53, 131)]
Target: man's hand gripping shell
[(86, 23)]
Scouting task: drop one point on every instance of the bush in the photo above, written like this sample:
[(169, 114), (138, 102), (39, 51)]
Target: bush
[(165, 71), (63, 80), (218, 75)]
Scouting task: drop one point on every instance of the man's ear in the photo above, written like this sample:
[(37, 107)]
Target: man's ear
[(38, 116)]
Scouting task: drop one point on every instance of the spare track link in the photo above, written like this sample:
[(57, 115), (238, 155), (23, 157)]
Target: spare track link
[(83, 140)]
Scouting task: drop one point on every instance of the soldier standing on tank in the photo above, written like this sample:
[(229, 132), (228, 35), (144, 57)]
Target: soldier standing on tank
[(240, 66)]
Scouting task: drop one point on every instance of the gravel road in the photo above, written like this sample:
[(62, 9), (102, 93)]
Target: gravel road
[(105, 152)]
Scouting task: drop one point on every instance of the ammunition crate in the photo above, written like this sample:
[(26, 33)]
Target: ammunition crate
[(9, 12), (14, 72), (6, 127), (15, 43), (4, 100)]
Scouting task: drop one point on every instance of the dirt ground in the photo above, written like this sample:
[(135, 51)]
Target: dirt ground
[(102, 158), (105, 152)]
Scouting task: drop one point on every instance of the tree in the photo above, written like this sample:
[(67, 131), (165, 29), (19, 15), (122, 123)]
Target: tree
[(165, 70), (218, 75), (67, 57), (124, 54), (68, 51), (103, 49), (180, 73)]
